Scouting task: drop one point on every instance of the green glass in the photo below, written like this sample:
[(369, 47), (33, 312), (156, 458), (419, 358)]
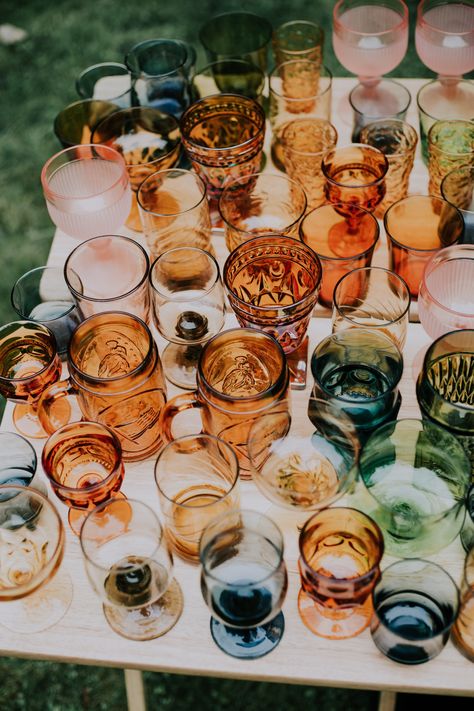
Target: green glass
[(76, 122), (229, 76), (416, 478), (237, 34)]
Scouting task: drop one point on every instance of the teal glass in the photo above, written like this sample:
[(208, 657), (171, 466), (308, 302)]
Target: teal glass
[(415, 605), (237, 34), (416, 477), (358, 371)]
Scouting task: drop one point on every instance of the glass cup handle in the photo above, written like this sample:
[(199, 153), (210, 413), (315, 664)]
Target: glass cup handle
[(58, 406), (180, 403)]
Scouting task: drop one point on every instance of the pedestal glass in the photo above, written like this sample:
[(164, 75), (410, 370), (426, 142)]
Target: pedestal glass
[(457, 188), (444, 37)]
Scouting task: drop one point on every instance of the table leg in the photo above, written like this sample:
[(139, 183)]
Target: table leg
[(387, 701), (135, 690)]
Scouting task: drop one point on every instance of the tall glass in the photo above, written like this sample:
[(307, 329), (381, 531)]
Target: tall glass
[(237, 34), (298, 39)]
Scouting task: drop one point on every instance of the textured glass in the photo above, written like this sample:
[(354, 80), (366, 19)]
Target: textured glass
[(298, 39), (450, 146), (457, 188)]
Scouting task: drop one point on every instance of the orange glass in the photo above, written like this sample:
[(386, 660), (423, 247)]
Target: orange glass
[(340, 553), (463, 630), (321, 230), (83, 462), (298, 39), (417, 227)]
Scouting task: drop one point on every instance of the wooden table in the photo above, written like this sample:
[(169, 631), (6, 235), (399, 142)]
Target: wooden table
[(83, 636)]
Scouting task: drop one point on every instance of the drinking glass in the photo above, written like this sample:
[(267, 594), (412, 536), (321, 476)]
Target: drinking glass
[(417, 227), (34, 593), (18, 462), (29, 363), (272, 284), (320, 230), (83, 463), (41, 295), (300, 467), (87, 190), (242, 374), (463, 630), (372, 298), (244, 582), (303, 142), (260, 204), (174, 211), (75, 123), (188, 308), (130, 568), (149, 140), (108, 81), (229, 76), (450, 146), (237, 34), (416, 476), (415, 605), (457, 187), (467, 531), (370, 39), (340, 552), (299, 88), (198, 480), (298, 39), (358, 371), (390, 101), (109, 273), (397, 140)]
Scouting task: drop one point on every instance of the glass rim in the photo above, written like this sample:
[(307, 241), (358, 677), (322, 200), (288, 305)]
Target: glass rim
[(352, 146), (106, 299), (410, 198), (440, 254), (202, 252), (17, 284), (428, 358), (330, 258), (438, 149), (140, 74), (408, 129), (233, 484), (422, 22), (197, 178), (384, 80), (289, 99), (304, 23), (465, 82), (263, 22), (296, 151), (338, 25), (41, 371)]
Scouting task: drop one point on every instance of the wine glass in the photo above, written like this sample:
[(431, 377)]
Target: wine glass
[(444, 37), (188, 308)]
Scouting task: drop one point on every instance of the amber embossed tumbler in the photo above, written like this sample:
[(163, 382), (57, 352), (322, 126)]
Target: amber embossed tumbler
[(340, 553)]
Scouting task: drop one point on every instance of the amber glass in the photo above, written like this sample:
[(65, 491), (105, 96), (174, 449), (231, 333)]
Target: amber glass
[(116, 374), (450, 146), (463, 630), (320, 230), (272, 284), (417, 227), (397, 140), (76, 122), (198, 479), (83, 462), (259, 204), (340, 553), (148, 139), (242, 374), (303, 143), (373, 298), (298, 39), (29, 363)]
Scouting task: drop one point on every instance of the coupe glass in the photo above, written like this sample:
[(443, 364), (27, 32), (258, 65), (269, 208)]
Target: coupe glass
[(188, 308), (370, 38), (87, 190), (130, 568), (367, 108), (458, 188), (463, 630), (244, 582), (34, 595)]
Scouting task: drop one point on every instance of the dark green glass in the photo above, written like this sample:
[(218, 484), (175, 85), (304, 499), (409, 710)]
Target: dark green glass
[(416, 477), (229, 76), (75, 124), (237, 34)]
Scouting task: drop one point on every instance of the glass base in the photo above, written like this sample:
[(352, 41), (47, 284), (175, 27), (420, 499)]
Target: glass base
[(332, 623), (40, 610), (27, 423), (180, 364), (248, 644), (298, 365), (147, 622), (76, 517)]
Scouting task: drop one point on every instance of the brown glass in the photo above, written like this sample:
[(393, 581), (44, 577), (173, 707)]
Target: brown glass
[(83, 462), (340, 553), (450, 146), (272, 284), (418, 226), (115, 372), (242, 374), (463, 630)]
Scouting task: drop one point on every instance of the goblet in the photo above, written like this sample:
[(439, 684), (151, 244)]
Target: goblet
[(75, 123), (237, 34), (415, 605), (340, 553), (188, 308), (244, 582), (302, 467), (229, 76), (457, 188), (29, 363), (18, 462), (34, 593), (87, 190), (83, 463), (463, 630), (416, 476), (108, 81), (130, 568), (370, 38), (373, 298), (298, 39), (197, 477), (450, 146)]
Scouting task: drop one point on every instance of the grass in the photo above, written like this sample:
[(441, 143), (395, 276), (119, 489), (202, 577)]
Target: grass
[(36, 81)]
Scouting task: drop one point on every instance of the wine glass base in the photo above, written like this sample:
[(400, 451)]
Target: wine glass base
[(332, 623), (180, 364), (27, 423), (40, 610), (76, 517), (150, 621), (248, 644)]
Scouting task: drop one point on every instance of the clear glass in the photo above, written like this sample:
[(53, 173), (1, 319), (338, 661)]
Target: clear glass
[(75, 123), (18, 463), (463, 630), (390, 100), (298, 39), (450, 146), (108, 81), (244, 582), (457, 188), (237, 34), (444, 36)]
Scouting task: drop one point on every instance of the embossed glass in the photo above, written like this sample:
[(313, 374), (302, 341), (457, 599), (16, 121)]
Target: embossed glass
[(457, 187), (463, 630), (390, 100), (340, 552), (417, 227), (229, 76), (76, 122), (107, 81), (272, 284), (450, 146), (298, 39), (237, 34)]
